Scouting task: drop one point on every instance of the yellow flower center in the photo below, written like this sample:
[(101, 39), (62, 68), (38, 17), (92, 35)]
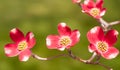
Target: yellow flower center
[(102, 46), (22, 45), (65, 41), (94, 12)]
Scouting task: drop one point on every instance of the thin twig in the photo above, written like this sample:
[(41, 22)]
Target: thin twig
[(98, 58), (38, 57), (100, 64), (48, 58), (75, 57), (114, 23), (70, 54), (105, 66), (90, 60), (105, 25), (92, 57)]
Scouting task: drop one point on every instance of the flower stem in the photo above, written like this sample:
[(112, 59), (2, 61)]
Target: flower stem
[(38, 57), (92, 57), (48, 58)]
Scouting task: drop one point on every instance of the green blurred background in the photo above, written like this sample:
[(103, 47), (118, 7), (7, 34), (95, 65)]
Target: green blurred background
[(42, 17)]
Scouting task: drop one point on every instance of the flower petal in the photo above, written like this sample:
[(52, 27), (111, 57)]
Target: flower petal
[(102, 11), (16, 35), (111, 37), (111, 53), (89, 3), (95, 34), (99, 3), (30, 39), (24, 55), (91, 48), (85, 8), (11, 50), (75, 36), (52, 41), (63, 29)]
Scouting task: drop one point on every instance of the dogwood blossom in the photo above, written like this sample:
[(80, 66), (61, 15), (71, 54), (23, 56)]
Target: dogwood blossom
[(94, 9), (21, 45), (65, 39), (103, 44)]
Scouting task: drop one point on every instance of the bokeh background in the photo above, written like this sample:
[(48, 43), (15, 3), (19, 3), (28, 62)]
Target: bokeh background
[(42, 17)]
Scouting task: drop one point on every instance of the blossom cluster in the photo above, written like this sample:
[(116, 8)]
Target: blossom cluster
[(101, 41)]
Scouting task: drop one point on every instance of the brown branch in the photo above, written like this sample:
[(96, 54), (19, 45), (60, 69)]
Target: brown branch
[(108, 68), (89, 61), (70, 54), (98, 58), (75, 57), (100, 64)]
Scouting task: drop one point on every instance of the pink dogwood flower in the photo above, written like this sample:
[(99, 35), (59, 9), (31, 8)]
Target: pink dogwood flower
[(102, 43), (94, 9), (76, 1), (21, 45), (64, 40)]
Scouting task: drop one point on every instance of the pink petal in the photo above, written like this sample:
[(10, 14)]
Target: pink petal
[(63, 29), (16, 35), (11, 50), (103, 12), (75, 36), (91, 48), (84, 8), (99, 3), (111, 53), (24, 55), (89, 3), (52, 41), (95, 34), (111, 37), (30, 39)]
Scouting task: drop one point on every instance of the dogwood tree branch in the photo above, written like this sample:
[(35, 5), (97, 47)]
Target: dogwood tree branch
[(98, 58), (70, 54), (89, 61), (100, 64), (92, 57), (103, 23), (107, 26), (75, 57), (48, 58), (108, 68), (114, 23)]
